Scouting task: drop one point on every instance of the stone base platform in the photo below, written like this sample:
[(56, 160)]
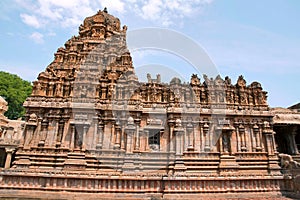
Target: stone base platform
[(40, 184), (42, 195)]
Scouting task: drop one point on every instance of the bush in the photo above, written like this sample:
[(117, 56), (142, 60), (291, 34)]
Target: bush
[(15, 91)]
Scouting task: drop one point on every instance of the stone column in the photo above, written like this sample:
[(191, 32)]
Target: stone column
[(293, 136), (54, 132), (44, 130), (257, 137), (148, 95), (260, 137), (28, 135), (113, 135), (137, 141), (179, 141), (36, 134), (206, 137), (129, 141), (248, 143), (100, 135), (146, 142), (60, 131), (106, 131), (238, 139), (85, 129), (72, 141), (95, 133), (242, 137), (190, 136), (171, 136), (273, 165), (202, 137), (117, 144), (179, 132), (66, 132), (253, 138), (9, 153), (122, 142), (197, 137), (130, 129), (267, 131)]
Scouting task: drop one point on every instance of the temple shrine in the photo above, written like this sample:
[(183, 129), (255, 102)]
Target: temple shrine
[(92, 128)]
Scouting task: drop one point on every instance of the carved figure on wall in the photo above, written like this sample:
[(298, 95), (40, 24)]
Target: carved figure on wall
[(226, 142), (149, 78), (241, 82), (158, 78), (227, 81), (195, 80), (78, 139), (58, 89)]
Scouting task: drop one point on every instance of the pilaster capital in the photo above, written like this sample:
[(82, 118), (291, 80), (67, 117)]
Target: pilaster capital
[(9, 150)]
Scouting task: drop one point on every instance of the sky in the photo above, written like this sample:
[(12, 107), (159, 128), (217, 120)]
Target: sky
[(257, 39)]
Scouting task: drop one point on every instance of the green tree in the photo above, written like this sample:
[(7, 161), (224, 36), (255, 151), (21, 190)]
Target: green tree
[(15, 91)]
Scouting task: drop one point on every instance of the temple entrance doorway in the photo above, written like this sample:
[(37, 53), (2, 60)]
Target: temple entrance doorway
[(287, 141), (282, 139)]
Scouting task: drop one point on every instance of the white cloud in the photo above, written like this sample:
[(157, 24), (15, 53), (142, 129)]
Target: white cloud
[(30, 20), (70, 13), (37, 37), (64, 13), (113, 5), (152, 9), (167, 12)]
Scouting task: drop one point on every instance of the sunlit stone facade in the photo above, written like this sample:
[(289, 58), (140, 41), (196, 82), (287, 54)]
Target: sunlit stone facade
[(91, 126)]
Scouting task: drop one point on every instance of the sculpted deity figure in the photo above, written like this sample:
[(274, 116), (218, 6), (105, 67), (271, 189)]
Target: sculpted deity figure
[(227, 81), (58, 91), (149, 78), (241, 81), (158, 78), (225, 141)]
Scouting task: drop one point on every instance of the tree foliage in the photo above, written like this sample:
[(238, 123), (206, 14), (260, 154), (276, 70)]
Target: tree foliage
[(15, 91)]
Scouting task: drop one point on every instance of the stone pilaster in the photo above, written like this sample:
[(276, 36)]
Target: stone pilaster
[(190, 136), (293, 140), (9, 152), (117, 144), (206, 137), (100, 135), (171, 136), (137, 134), (72, 140)]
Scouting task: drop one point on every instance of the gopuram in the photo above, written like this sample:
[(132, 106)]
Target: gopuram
[(92, 128)]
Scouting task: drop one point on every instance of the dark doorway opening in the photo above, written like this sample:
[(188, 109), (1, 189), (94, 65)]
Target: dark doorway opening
[(2, 157), (282, 140), (297, 139)]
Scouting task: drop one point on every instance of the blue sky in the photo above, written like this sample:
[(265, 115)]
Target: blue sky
[(258, 39)]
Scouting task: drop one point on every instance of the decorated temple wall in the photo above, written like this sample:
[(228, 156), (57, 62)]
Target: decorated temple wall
[(91, 126)]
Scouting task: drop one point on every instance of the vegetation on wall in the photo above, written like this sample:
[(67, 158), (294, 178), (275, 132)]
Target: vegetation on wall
[(15, 91)]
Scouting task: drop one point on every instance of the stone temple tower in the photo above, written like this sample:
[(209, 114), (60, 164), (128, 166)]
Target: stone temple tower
[(91, 126)]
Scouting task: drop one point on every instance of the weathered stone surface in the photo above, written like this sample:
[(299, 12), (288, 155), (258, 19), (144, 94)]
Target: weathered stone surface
[(10, 135), (92, 127)]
